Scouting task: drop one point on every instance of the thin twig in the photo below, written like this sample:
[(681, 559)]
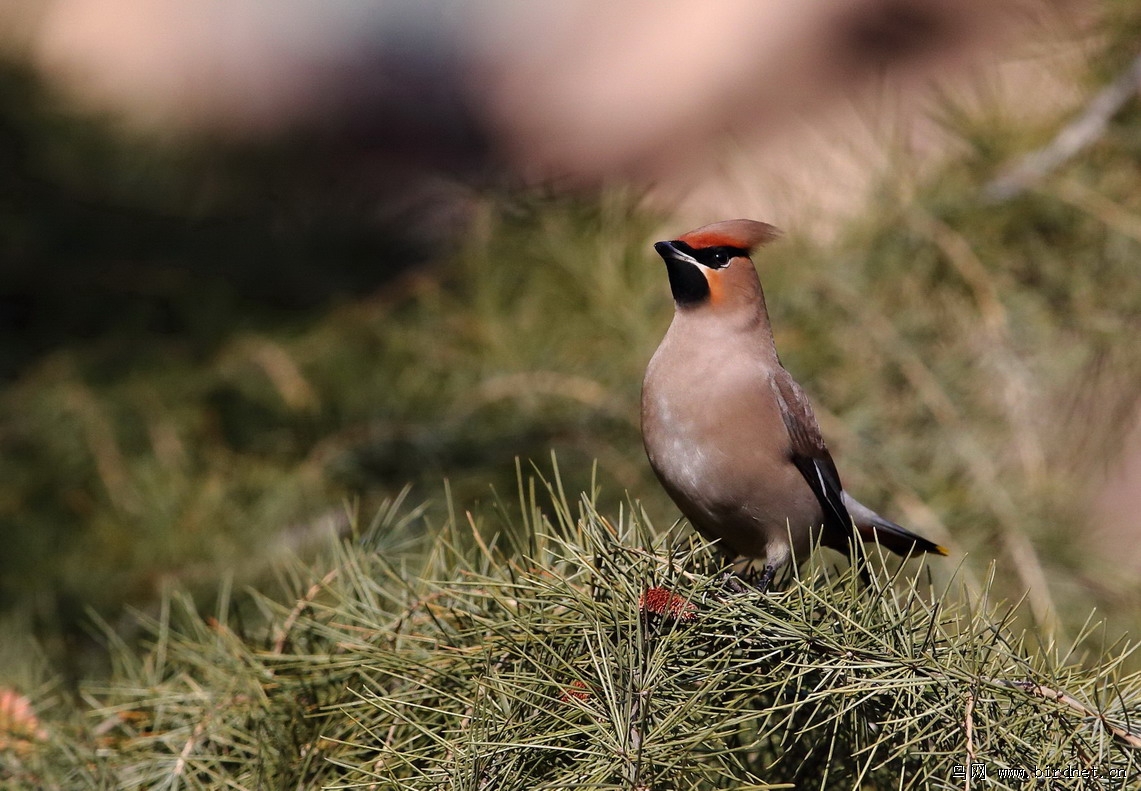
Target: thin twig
[(184, 755), (969, 727), (302, 603), (1073, 138), (1046, 693)]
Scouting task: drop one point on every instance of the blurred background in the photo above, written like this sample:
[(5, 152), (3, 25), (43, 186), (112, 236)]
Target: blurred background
[(264, 264)]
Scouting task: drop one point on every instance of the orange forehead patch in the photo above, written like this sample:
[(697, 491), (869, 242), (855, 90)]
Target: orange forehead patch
[(745, 234)]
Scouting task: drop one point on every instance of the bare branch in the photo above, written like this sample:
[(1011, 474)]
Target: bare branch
[(1073, 138)]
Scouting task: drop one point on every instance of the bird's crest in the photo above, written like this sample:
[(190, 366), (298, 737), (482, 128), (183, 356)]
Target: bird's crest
[(743, 234)]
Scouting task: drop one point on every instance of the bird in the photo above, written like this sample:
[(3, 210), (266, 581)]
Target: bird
[(729, 433)]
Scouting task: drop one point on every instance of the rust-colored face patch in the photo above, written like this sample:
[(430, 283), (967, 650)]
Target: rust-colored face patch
[(716, 282)]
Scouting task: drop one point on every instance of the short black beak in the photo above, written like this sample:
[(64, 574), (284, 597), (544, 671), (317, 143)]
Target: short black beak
[(669, 251)]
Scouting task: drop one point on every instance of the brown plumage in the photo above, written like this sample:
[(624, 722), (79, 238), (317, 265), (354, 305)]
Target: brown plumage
[(728, 432)]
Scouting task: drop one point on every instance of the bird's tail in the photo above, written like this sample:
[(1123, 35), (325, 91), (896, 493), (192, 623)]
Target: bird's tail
[(874, 528), (898, 539)]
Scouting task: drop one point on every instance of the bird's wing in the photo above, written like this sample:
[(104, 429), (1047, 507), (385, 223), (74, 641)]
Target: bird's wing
[(811, 457)]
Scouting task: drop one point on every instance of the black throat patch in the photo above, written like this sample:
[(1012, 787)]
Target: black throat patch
[(687, 282)]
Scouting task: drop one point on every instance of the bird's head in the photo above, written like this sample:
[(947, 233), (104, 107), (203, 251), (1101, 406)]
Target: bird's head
[(711, 268)]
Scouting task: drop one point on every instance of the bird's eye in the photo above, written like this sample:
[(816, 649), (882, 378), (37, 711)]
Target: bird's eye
[(721, 257)]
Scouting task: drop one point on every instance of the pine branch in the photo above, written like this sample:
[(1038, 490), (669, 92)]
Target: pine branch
[(607, 658)]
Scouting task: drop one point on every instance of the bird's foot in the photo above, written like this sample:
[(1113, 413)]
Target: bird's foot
[(732, 582), (766, 579), (735, 582)]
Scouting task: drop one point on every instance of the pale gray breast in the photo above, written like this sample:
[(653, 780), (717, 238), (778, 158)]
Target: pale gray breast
[(709, 421)]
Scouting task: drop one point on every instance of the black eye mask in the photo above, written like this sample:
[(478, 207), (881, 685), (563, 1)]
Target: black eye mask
[(712, 257)]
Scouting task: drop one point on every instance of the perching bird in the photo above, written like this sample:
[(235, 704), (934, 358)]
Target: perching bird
[(729, 433)]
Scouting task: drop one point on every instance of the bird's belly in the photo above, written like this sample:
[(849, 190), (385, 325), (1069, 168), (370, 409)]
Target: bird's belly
[(728, 471)]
